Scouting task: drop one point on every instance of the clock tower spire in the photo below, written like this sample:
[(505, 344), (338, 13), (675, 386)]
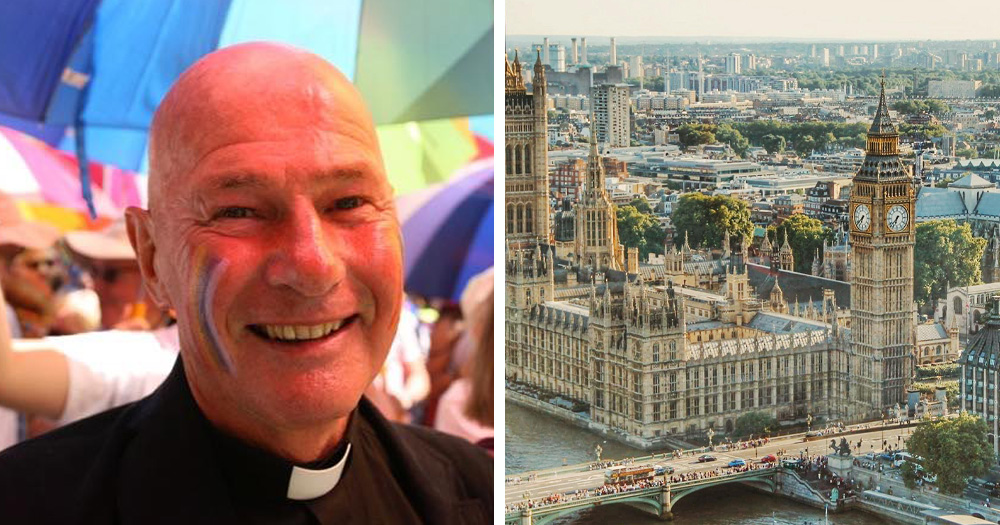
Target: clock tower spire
[(882, 236)]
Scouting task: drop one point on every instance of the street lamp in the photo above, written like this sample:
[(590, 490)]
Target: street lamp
[(710, 434), (597, 452), (809, 421), (883, 431)]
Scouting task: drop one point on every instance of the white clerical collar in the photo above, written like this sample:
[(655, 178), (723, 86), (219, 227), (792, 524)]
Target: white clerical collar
[(306, 484)]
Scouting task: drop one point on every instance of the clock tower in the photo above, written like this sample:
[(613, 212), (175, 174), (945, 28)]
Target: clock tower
[(882, 235)]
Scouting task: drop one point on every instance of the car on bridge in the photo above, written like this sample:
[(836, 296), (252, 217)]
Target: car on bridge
[(661, 470), (705, 458), (770, 458), (737, 463)]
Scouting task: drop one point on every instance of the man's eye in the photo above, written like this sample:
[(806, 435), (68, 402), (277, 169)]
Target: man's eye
[(348, 203), (234, 212)]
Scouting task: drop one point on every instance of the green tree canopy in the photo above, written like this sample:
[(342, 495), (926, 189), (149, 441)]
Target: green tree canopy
[(642, 230), (945, 253), (916, 107), (805, 236), (805, 145), (729, 135), (773, 143), (755, 423), (953, 450), (707, 218), (694, 134)]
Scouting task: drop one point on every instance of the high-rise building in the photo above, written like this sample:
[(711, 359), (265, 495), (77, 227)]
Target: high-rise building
[(576, 57), (734, 64), (526, 156), (613, 60), (882, 236), (583, 44), (635, 68), (611, 115), (825, 59)]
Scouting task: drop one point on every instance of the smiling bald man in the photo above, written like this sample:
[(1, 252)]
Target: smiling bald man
[(271, 232)]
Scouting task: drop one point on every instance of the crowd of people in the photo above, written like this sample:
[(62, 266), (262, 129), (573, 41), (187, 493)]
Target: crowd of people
[(745, 444)]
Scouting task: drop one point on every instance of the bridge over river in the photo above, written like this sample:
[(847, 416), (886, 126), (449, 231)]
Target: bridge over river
[(657, 499)]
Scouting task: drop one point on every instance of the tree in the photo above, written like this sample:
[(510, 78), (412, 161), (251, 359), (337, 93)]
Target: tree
[(805, 236), (729, 135), (910, 474), (805, 145), (640, 230), (693, 134), (945, 252), (953, 450), (755, 423), (641, 205), (773, 143), (706, 219)]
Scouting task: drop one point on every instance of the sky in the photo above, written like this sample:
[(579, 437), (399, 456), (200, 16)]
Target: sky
[(861, 20)]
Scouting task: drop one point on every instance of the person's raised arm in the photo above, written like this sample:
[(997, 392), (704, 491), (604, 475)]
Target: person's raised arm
[(34, 377)]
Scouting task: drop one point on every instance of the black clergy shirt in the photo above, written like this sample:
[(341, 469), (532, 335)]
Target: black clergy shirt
[(160, 461)]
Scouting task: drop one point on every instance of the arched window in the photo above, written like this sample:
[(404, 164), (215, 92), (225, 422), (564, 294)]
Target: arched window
[(520, 218), (510, 218), (510, 161), (527, 158), (517, 160), (957, 306), (528, 224)]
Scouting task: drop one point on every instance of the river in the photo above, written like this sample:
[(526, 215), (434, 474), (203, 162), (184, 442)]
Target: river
[(537, 441)]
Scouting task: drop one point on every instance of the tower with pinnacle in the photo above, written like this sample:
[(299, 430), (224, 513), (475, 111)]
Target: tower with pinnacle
[(526, 191), (596, 243), (882, 236)]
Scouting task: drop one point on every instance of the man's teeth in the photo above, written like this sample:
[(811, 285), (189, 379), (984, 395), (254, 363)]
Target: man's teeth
[(301, 332)]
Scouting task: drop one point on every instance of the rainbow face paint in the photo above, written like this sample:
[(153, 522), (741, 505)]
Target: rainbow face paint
[(209, 271)]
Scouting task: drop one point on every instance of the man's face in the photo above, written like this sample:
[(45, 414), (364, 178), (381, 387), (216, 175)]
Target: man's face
[(278, 246)]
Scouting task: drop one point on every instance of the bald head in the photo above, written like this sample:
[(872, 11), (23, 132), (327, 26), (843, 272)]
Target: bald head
[(232, 93)]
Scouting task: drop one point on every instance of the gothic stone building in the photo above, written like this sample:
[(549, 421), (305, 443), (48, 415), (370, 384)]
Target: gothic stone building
[(649, 354)]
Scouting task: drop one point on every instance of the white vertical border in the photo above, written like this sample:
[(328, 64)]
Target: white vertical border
[(499, 290)]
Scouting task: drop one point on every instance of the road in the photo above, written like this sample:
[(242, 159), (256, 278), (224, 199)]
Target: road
[(576, 477)]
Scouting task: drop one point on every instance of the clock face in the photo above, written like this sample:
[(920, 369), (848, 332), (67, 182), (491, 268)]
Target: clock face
[(897, 218), (862, 217)]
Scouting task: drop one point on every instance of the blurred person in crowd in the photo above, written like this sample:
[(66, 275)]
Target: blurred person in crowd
[(466, 408), (271, 232), (403, 381), (108, 259), (445, 333), (28, 270)]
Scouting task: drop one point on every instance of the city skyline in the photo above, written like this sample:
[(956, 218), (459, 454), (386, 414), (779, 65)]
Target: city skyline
[(767, 19)]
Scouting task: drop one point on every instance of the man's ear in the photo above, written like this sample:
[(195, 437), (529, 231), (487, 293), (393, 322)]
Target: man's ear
[(140, 234)]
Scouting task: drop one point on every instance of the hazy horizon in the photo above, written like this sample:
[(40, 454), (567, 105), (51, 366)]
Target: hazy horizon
[(757, 21)]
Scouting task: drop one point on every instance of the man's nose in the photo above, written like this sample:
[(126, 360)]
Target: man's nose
[(306, 256)]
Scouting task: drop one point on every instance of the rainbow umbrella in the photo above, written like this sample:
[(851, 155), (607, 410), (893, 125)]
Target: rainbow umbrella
[(46, 186), (100, 68), (448, 232)]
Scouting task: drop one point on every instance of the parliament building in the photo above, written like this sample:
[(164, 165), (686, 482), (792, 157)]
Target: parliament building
[(645, 352)]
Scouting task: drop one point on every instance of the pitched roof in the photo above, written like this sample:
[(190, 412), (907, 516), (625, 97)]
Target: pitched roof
[(983, 350), (971, 180), (797, 286), (939, 202), (931, 332), (989, 204)]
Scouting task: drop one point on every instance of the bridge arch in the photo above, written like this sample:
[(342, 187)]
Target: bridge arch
[(763, 482), (642, 502)]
